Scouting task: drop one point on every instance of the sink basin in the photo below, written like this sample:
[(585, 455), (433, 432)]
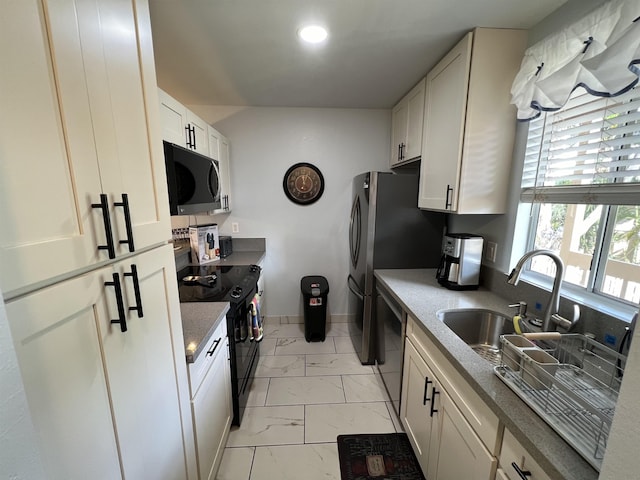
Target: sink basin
[(479, 328)]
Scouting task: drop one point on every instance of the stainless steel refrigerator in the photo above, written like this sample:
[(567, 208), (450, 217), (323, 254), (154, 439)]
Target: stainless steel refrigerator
[(387, 230)]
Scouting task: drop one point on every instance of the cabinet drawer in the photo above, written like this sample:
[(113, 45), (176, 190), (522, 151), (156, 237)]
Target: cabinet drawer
[(513, 452), (483, 421), (216, 345)]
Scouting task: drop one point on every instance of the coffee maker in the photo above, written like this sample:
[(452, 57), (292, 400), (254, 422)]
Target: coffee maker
[(460, 264)]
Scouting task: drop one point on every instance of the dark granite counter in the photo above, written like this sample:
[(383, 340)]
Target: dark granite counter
[(421, 296)]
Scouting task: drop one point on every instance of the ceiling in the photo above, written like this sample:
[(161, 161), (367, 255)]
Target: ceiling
[(245, 52)]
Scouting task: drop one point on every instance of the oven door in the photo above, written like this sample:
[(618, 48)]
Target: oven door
[(244, 354)]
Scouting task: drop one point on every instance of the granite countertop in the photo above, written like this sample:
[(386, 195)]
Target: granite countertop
[(199, 321), (421, 296)]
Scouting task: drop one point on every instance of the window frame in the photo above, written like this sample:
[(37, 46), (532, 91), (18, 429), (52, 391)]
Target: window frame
[(590, 295)]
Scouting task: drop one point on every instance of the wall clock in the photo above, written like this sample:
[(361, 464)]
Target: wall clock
[(303, 183)]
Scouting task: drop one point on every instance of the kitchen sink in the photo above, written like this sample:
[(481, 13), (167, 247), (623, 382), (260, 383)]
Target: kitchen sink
[(479, 328)]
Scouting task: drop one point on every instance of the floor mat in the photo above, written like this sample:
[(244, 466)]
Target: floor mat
[(377, 456)]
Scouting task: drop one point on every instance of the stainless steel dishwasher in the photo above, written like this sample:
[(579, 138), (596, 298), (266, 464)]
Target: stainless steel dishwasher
[(391, 324)]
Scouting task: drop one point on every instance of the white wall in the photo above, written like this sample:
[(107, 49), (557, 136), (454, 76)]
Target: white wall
[(301, 240)]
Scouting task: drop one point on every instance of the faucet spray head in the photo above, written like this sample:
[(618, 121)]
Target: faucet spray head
[(513, 277)]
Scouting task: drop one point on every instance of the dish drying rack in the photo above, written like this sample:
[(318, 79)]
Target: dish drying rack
[(574, 391)]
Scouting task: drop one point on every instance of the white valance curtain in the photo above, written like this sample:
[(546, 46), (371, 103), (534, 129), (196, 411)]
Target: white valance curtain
[(600, 52)]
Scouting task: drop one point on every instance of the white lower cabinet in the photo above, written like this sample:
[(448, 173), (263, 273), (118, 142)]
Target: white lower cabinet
[(516, 462), (105, 403), (210, 378), (447, 444), (457, 452), (416, 402)]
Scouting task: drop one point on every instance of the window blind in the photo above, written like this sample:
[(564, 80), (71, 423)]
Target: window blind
[(587, 152)]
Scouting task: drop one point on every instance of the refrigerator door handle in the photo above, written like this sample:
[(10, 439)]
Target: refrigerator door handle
[(353, 286), (355, 223)]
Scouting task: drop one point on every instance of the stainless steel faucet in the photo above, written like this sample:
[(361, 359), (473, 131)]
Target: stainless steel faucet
[(554, 299)]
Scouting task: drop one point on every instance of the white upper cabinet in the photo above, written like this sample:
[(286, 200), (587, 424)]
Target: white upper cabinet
[(469, 124), (406, 126), (219, 150), (173, 119), (183, 127), (72, 74)]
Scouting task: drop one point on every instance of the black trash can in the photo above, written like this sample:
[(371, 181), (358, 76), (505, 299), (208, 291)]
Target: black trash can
[(315, 290)]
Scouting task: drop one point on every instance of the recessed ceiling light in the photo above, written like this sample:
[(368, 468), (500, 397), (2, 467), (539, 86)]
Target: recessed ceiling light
[(313, 33)]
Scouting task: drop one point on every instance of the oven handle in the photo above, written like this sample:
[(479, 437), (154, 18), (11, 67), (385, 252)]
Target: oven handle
[(353, 286)]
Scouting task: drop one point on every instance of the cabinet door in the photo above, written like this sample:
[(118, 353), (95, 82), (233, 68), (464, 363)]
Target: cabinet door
[(123, 96), (398, 131), (199, 134), (49, 174), (456, 450), (445, 111), (514, 453), (57, 341), (415, 121), (173, 119), (219, 150), (212, 412), (140, 368), (417, 382)]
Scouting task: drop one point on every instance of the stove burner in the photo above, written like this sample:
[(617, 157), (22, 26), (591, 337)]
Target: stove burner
[(236, 292), (205, 280)]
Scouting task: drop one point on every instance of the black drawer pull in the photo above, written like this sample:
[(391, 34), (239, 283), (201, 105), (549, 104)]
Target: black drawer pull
[(136, 290), (434, 392), (215, 345), (122, 320), (127, 221), (106, 218), (523, 474)]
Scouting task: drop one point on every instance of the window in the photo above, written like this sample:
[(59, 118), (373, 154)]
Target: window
[(582, 177)]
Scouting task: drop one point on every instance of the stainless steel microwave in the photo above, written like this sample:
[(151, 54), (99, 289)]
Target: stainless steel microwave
[(193, 181)]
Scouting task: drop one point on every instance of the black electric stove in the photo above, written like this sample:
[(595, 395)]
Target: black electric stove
[(237, 285)]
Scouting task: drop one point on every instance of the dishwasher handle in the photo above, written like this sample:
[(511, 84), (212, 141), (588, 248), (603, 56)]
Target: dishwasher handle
[(392, 304)]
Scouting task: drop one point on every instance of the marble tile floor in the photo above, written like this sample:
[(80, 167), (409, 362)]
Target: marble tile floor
[(304, 396)]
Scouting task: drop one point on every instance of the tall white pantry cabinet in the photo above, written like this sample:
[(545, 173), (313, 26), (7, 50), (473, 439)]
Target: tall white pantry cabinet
[(86, 271)]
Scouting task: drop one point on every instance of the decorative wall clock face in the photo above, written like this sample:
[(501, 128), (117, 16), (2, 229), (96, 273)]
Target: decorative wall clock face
[(303, 183)]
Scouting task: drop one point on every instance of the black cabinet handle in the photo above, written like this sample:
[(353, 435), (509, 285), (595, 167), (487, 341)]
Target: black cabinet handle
[(191, 136), (122, 320), (523, 474), (399, 152), (434, 392), (426, 385), (188, 133), (402, 145), (127, 221), (447, 203), (215, 345), (104, 206), (136, 290)]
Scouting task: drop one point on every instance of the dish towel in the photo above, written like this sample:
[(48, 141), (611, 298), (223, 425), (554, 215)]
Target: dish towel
[(256, 320)]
